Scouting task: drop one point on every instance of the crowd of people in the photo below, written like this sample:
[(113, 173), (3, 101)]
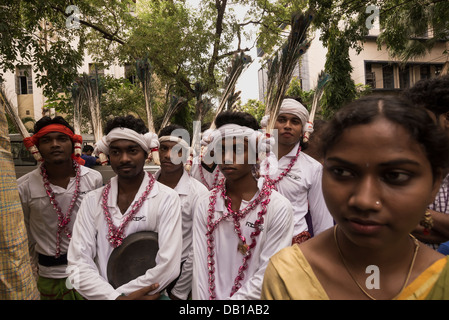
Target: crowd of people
[(368, 190)]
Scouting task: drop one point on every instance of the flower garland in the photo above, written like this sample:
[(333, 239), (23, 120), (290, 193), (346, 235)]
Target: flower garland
[(263, 198), (63, 220), (273, 182), (115, 234), (203, 179)]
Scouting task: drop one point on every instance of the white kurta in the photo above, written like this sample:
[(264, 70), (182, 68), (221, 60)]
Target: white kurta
[(41, 218), (189, 191), (89, 250), (277, 234), (302, 186)]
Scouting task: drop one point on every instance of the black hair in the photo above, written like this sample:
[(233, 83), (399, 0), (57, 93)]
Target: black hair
[(397, 110), (432, 94), (45, 121), (236, 117), (168, 130), (129, 122), (87, 148)]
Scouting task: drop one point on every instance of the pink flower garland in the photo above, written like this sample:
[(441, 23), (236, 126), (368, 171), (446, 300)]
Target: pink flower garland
[(263, 198), (115, 234), (204, 179), (273, 182), (63, 220)]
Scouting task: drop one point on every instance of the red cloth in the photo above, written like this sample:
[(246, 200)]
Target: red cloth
[(34, 139), (300, 238)]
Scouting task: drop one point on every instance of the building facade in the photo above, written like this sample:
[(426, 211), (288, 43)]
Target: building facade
[(373, 67)]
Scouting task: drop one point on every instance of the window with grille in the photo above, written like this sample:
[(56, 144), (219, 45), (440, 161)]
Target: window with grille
[(24, 80)]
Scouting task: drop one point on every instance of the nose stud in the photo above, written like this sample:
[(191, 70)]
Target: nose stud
[(377, 203)]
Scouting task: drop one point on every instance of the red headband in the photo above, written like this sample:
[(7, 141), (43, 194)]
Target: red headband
[(76, 139)]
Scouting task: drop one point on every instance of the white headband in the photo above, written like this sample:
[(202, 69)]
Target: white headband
[(147, 141), (265, 143), (178, 140)]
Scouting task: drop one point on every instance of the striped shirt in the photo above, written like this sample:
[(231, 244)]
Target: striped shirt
[(441, 203)]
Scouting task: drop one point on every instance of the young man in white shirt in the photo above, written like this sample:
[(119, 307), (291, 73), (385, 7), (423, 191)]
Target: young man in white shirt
[(241, 223), (131, 202), (298, 176), (51, 196), (173, 152)]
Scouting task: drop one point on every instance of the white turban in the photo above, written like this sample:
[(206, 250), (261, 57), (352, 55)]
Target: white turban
[(259, 142), (233, 130), (147, 141), (291, 106), (178, 140)]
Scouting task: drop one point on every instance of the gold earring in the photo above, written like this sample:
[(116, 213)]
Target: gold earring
[(427, 222)]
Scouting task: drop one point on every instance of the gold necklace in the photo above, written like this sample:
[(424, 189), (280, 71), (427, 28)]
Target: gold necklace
[(356, 282)]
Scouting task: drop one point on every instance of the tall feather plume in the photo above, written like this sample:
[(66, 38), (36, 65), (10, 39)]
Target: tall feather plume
[(239, 64), (77, 100), (323, 79), (281, 67), (144, 70), (175, 105)]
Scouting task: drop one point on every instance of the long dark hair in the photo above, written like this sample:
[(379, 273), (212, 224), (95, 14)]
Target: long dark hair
[(398, 110)]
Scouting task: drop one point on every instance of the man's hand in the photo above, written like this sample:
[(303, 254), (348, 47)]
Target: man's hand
[(142, 294)]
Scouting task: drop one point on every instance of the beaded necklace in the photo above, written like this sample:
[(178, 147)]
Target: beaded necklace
[(63, 220), (115, 234), (263, 198)]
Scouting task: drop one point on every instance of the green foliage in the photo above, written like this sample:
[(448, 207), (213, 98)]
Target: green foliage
[(341, 88), (295, 90), (402, 23), (36, 33), (255, 108), (121, 97), (406, 26)]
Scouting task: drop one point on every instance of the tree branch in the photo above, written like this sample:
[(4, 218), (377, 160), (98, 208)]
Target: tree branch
[(105, 33)]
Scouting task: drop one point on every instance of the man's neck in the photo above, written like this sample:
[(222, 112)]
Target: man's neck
[(243, 189), (127, 190), (171, 179), (59, 173), (285, 149)]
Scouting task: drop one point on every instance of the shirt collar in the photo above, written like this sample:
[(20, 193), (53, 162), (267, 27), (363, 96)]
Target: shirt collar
[(220, 205), (183, 186), (113, 192), (292, 152), (36, 180)]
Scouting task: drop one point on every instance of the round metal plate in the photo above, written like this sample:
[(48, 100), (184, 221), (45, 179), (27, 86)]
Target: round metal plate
[(133, 258)]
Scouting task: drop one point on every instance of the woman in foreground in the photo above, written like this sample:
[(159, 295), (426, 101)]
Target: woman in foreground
[(383, 166)]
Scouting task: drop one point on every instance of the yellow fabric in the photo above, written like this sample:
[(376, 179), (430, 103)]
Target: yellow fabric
[(423, 284), (16, 276), (289, 276)]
